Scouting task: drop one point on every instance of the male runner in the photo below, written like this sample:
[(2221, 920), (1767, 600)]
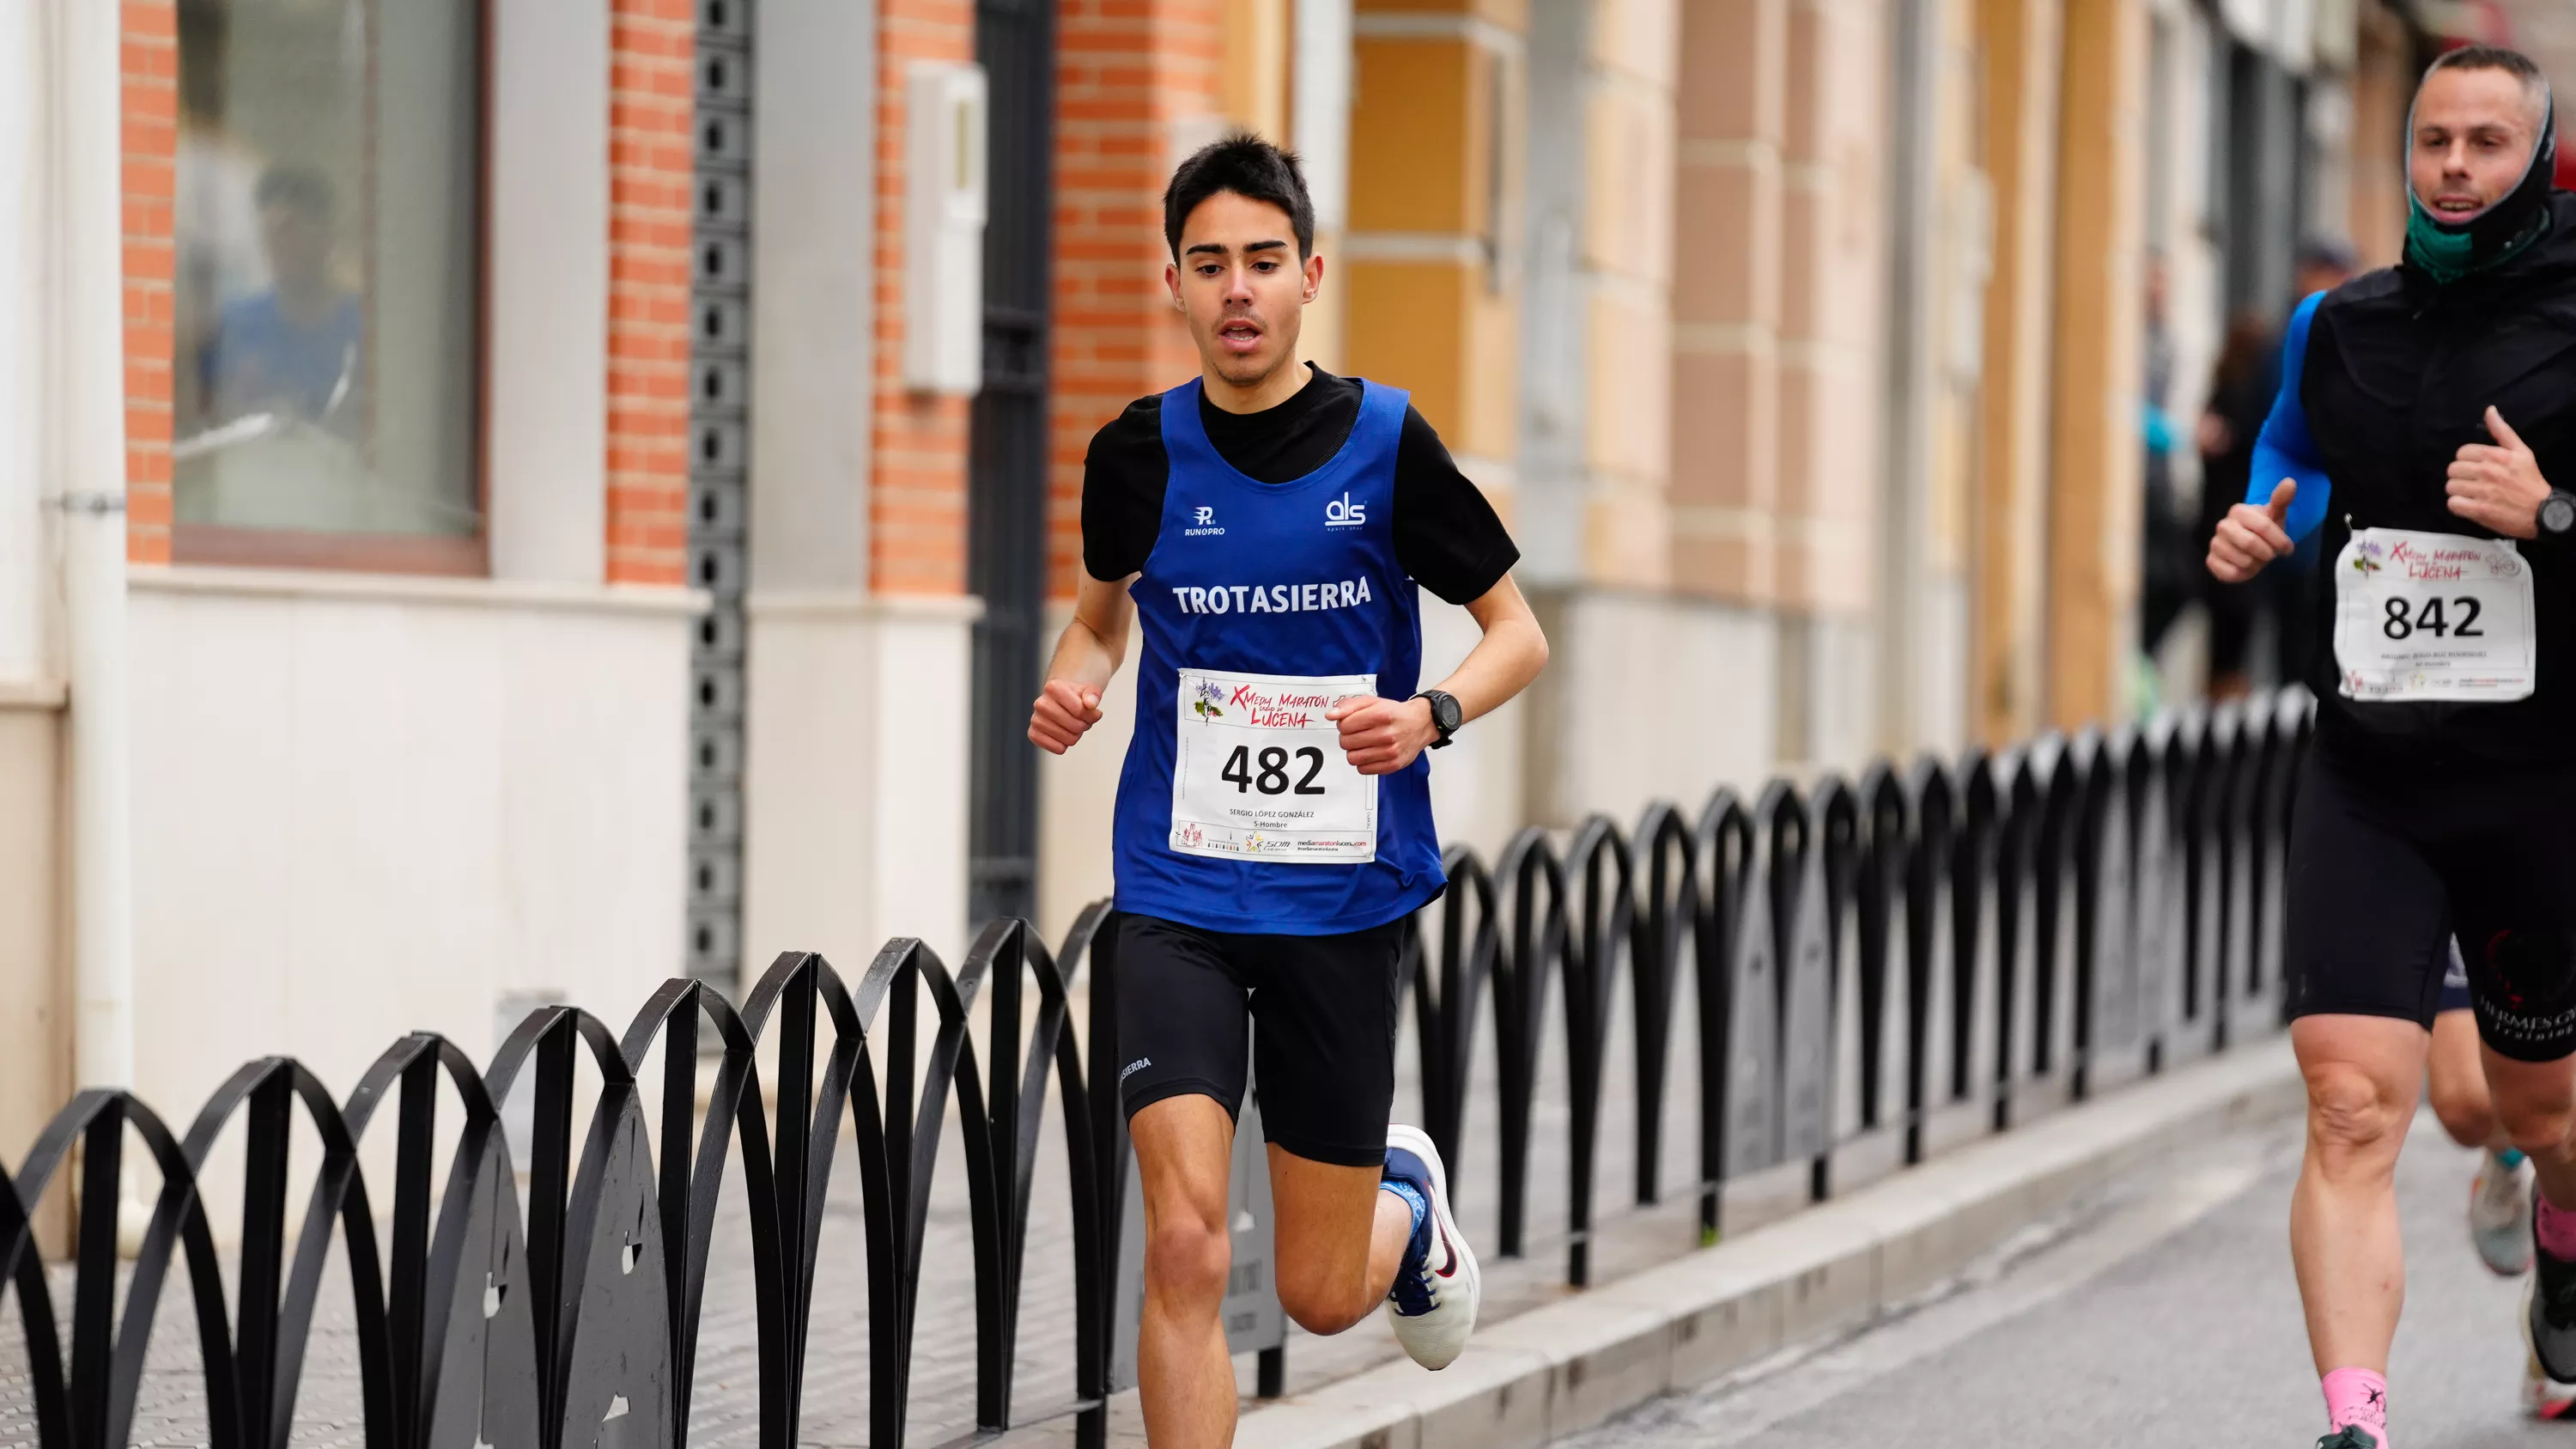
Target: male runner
[(2456, 1081), (2440, 796), (2500, 1190), (1267, 523)]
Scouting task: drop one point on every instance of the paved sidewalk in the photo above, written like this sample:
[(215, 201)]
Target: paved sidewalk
[(2163, 1312), (726, 1405)]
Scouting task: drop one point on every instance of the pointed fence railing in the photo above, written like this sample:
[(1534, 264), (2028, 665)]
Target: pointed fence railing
[(1880, 968)]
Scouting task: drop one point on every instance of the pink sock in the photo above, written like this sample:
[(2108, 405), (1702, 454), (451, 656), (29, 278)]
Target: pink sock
[(2557, 1231), (2358, 1396)]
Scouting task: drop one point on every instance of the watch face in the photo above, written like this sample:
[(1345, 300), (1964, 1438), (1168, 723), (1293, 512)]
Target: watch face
[(1445, 712), (2559, 513)]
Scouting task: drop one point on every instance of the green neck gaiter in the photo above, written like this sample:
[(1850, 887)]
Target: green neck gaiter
[(2447, 254)]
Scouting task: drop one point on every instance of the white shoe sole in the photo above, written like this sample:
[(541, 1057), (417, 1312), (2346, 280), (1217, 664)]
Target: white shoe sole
[(1435, 1339), (2531, 1291)]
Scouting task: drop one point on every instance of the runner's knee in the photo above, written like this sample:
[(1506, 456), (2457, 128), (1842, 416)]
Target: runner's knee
[(2538, 1125), (2465, 1112), (1325, 1302), (1186, 1256), (2352, 1124)]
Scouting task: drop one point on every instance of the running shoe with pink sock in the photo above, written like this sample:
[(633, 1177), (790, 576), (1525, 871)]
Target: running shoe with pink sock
[(2357, 1407)]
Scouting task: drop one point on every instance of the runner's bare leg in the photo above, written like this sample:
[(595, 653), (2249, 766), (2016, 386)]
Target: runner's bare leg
[(2364, 1076), (1339, 1239), (1184, 1152)]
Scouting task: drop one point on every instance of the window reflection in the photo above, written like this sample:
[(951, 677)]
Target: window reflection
[(324, 225)]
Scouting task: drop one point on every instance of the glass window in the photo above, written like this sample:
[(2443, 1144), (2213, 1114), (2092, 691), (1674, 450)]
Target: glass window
[(328, 299)]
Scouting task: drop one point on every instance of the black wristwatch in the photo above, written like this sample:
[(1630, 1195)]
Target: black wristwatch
[(1445, 715), (2558, 512)]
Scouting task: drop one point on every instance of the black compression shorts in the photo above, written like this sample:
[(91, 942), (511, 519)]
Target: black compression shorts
[(1321, 1012), (2385, 867)]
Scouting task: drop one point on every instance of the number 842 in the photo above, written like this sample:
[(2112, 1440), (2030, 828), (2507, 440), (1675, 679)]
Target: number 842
[(2403, 622)]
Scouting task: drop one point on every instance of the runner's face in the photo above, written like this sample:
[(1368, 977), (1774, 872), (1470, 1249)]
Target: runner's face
[(1240, 283), (2475, 131)]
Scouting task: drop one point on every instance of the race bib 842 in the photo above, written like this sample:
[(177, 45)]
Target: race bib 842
[(2433, 616)]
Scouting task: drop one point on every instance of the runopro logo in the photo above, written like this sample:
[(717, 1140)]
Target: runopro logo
[(1207, 515), (1343, 513), (1202, 523)]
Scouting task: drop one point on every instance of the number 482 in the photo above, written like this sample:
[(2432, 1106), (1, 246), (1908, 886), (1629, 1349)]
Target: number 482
[(1273, 776), (2401, 622)]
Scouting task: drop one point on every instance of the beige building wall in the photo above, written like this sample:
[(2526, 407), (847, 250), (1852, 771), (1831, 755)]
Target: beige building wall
[(1433, 145), (35, 969), (1626, 275), (1254, 82), (1832, 299), (1629, 475), (1939, 705), (2383, 86), (2019, 44), (1732, 121), (2097, 458), (1832, 377)]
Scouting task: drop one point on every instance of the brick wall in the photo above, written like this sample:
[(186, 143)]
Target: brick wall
[(1132, 76), (652, 81), (149, 57), (917, 500)]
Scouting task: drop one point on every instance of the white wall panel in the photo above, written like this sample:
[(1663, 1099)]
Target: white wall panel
[(360, 813), (855, 776), (547, 293), (1650, 696)]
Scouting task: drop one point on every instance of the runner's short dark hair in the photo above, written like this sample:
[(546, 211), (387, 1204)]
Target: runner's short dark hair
[(1249, 167), (2512, 62)]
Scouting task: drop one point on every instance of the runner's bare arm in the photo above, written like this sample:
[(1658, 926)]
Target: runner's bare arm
[(1384, 735), (1085, 657)]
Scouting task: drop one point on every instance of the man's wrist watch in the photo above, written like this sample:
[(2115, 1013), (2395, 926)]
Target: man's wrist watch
[(2558, 512), (1445, 715)]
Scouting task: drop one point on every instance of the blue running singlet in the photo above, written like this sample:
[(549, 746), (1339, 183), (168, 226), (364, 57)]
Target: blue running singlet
[(1262, 604)]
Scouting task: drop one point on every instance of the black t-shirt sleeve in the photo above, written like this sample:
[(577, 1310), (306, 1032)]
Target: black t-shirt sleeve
[(1447, 536), (1123, 477)]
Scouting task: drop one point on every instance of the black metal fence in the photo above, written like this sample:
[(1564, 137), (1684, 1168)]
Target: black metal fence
[(1881, 967)]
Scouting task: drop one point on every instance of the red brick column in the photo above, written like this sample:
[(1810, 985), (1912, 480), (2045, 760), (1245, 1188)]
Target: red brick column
[(917, 493), (150, 64), (1131, 75), (652, 82)]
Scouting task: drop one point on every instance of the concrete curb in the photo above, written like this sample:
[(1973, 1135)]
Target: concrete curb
[(1570, 1365)]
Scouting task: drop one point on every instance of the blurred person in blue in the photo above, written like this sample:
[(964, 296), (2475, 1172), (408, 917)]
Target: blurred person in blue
[(2242, 386), (2423, 414), (293, 348), (2165, 579)]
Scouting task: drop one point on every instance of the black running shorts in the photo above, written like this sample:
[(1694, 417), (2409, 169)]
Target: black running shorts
[(1320, 1013), (2386, 865)]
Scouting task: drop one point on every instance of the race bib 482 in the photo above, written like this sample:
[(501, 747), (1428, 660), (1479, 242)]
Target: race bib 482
[(1258, 772)]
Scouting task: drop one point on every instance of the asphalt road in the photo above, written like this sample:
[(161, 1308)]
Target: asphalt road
[(2162, 1314)]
